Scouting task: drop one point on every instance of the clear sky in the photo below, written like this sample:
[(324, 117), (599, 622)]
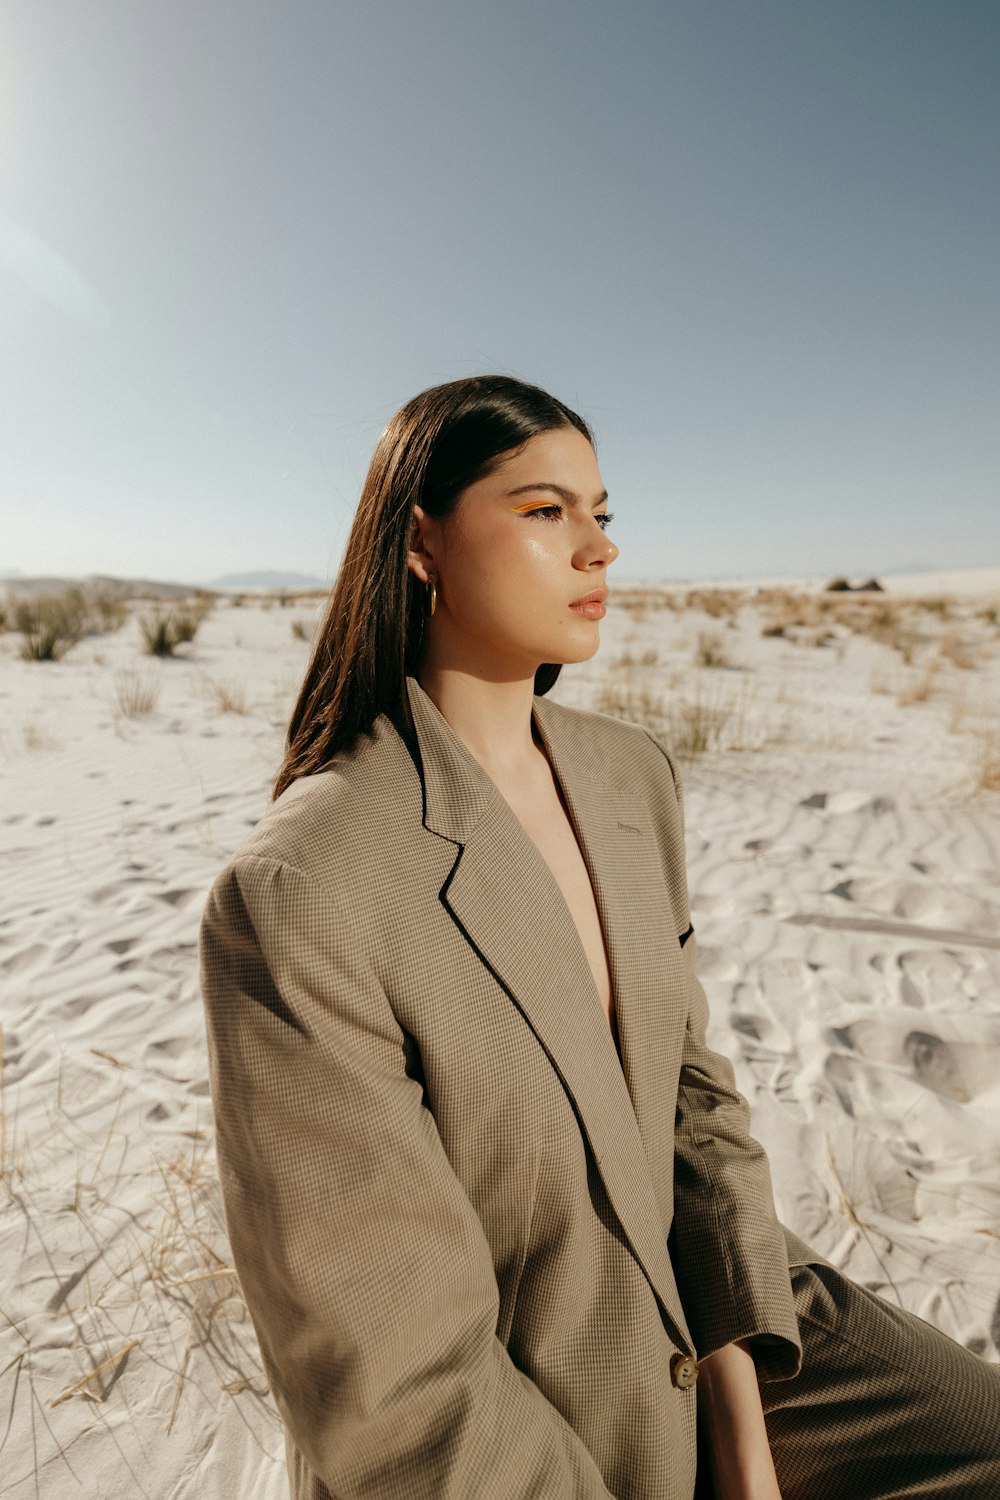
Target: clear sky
[(755, 244)]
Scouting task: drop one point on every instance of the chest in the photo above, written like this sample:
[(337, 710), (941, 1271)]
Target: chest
[(546, 821)]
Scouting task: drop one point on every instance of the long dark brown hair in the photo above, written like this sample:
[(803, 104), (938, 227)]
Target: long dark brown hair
[(441, 441)]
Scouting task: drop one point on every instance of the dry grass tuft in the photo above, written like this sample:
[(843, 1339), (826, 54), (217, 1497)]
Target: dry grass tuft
[(719, 603), (956, 650), (711, 651), (228, 697), (51, 624), (687, 727), (920, 689), (135, 692), (637, 601), (37, 739), (163, 629), (941, 607), (302, 631), (988, 769), (627, 662)]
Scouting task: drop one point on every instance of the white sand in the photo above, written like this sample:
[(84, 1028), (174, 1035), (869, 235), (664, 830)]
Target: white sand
[(844, 878)]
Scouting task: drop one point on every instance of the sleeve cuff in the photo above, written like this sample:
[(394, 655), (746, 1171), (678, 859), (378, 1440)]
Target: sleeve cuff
[(777, 1356)]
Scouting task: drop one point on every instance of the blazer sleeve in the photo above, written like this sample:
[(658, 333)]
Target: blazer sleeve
[(365, 1268), (727, 1245)]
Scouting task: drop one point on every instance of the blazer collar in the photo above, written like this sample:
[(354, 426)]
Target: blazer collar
[(510, 908)]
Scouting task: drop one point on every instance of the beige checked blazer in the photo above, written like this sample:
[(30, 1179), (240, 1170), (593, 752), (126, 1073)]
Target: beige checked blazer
[(476, 1247)]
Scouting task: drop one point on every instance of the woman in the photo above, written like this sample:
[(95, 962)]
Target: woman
[(494, 1205)]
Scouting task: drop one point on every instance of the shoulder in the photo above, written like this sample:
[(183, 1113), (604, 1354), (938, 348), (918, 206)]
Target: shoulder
[(328, 824)]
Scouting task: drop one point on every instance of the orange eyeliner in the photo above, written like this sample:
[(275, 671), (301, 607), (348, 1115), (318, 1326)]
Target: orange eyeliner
[(532, 505)]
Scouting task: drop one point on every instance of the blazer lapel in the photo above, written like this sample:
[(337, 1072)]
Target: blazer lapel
[(509, 907)]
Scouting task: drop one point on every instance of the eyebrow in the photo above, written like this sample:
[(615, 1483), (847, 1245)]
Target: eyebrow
[(567, 495)]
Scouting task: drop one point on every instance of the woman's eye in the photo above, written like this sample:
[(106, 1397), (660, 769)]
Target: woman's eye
[(552, 512)]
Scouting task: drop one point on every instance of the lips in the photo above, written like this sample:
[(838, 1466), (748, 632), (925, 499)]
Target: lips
[(596, 596)]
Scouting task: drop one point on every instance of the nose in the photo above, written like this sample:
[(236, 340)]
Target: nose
[(603, 543)]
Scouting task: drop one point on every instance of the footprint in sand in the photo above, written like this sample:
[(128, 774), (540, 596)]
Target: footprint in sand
[(120, 945), (951, 1068), (178, 897), (932, 977), (23, 959), (171, 1046), (70, 1009)]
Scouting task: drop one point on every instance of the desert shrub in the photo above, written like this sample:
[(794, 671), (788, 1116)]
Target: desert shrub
[(157, 631), (229, 698), (921, 689), (51, 623), (954, 649), (301, 631), (135, 694), (838, 586), (936, 606), (637, 600), (688, 727), (714, 602), (710, 650), (988, 778), (107, 607), (163, 629), (186, 622)]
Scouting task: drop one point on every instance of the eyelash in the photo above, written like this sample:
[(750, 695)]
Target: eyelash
[(551, 511)]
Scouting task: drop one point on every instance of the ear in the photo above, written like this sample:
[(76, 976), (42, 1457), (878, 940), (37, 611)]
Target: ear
[(419, 558)]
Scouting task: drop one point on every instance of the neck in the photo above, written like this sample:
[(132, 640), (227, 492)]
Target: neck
[(492, 719)]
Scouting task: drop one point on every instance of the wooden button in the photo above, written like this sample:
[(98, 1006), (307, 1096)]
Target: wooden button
[(683, 1370)]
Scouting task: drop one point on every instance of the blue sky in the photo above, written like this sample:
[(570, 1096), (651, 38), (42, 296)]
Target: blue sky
[(756, 245)]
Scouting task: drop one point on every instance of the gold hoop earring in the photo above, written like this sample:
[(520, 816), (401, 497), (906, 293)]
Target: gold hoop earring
[(431, 596)]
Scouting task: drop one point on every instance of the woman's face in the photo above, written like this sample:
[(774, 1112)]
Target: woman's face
[(520, 546)]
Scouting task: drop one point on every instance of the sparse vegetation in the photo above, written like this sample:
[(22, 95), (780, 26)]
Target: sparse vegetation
[(108, 606), (957, 651), (229, 698), (163, 629), (988, 770), (688, 727), (51, 624), (710, 650), (136, 693), (935, 606), (920, 689), (719, 603), (35, 738)]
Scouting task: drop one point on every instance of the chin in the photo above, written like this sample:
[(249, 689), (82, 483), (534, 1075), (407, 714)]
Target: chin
[(582, 653)]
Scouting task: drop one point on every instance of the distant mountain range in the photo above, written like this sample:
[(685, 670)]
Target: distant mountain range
[(19, 583), (268, 579)]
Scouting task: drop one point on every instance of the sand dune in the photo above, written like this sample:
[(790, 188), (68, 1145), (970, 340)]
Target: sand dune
[(843, 861)]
